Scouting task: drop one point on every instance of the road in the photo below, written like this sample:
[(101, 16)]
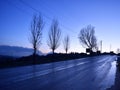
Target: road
[(92, 73)]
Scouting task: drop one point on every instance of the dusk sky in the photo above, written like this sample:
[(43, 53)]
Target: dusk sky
[(73, 15)]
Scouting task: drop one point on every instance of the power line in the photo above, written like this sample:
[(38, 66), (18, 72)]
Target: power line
[(24, 11), (49, 9), (36, 10), (18, 8), (14, 5)]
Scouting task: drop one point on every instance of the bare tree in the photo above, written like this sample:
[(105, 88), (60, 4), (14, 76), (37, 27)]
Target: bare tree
[(87, 38), (66, 43), (36, 32), (54, 36)]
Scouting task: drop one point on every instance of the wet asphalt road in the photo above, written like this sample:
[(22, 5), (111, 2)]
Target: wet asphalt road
[(92, 73)]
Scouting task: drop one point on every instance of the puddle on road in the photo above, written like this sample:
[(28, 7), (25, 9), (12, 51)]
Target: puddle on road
[(110, 78)]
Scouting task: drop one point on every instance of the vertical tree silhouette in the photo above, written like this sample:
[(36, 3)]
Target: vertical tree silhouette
[(66, 43), (36, 33), (87, 38), (54, 36)]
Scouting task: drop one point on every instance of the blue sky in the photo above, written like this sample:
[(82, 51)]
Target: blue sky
[(72, 15)]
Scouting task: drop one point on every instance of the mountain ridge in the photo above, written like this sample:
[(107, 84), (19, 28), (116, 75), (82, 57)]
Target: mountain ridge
[(16, 51)]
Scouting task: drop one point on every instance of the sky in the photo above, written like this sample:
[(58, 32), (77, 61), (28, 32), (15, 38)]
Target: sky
[(72, 15)]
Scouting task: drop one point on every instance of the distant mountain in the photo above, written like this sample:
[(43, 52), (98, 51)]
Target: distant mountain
[(16, 51), (49, 53)]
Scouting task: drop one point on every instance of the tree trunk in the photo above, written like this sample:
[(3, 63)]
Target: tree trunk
[(66, 52), (53, 51), (34, 56)]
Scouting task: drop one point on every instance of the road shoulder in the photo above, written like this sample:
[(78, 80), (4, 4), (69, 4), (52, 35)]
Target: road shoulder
[(116, 86)]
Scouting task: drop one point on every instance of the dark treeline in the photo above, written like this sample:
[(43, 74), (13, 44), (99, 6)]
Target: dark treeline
[(6, 61)]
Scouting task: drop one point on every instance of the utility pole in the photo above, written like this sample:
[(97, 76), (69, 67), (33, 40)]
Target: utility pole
[(101, 45), (110, 47)]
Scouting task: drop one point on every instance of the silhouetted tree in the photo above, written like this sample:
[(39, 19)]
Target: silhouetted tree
[(36, 28), (66, 43), (54, 36), (87, 38)]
